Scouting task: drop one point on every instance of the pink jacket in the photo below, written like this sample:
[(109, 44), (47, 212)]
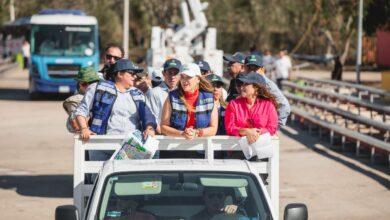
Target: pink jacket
[(262, 115)]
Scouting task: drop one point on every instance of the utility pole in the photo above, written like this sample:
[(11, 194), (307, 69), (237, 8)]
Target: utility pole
[(11, 10), (359, 42), (126, 27)]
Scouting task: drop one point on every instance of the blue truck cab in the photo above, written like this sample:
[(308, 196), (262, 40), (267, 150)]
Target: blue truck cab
[(62, 41)]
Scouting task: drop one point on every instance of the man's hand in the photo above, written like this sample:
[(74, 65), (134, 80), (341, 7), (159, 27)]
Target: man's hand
[(149, 131), (85, 134), (230, 209)]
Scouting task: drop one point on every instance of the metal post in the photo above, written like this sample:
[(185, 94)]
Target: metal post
[(11, 10), (359, 43), (126, 27)]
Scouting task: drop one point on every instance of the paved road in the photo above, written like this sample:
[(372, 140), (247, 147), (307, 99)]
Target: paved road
[(36, 165)]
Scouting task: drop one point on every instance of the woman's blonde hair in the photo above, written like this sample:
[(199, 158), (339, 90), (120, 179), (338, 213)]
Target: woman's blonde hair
[(204, 85)]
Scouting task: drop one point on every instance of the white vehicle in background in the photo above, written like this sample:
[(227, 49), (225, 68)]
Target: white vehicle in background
[(192, 39), (176, 188)]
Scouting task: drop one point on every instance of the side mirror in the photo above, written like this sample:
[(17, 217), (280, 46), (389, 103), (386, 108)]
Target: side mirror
[(295, 211), (67, 212)]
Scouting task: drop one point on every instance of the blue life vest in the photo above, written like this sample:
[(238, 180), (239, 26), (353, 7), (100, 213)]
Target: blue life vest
[(204, 107), (103, 102)]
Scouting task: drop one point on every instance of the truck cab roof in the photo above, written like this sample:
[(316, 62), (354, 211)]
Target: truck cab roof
[(231, 165)]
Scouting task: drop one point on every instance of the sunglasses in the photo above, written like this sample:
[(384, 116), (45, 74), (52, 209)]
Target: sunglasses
[(109, 57)]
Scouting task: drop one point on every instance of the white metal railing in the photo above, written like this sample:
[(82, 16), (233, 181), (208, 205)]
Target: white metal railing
[(81, 190)]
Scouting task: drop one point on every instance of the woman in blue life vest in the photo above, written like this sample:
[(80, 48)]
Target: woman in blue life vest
[(217, 83), (115, 106), (189, 110)]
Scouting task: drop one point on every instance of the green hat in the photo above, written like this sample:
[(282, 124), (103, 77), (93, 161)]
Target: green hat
[(87, 74)]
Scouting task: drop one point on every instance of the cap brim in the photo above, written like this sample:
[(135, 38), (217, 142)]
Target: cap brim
[(218, 82), (136, 70), (172, 67), (253, 64), (229, 59), (190, 75)]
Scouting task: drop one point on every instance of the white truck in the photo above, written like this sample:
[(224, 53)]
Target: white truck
[(154, 189)]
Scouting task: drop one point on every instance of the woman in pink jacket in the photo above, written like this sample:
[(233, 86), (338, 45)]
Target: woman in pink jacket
[(254, 111)]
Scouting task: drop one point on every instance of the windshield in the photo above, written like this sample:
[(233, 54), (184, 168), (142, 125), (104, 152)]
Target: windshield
[(182, 195), (63, 40)]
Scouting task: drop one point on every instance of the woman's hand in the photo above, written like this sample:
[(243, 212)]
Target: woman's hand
[(252, 135), (85, 134), (189, 133), (149, 131)]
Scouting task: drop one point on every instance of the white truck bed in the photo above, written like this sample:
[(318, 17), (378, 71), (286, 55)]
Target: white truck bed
[(82, 191)]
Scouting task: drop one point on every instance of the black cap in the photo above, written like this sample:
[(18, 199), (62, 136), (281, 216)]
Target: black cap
[(203, 65), (251, 78), (212, 78), (125, 64), (172, 63), (254, 59), (235, 58)]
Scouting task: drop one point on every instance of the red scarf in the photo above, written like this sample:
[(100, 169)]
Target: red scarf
[(191, 98)]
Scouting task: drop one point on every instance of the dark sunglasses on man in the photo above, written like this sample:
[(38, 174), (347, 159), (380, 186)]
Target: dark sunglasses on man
[(109, 57)]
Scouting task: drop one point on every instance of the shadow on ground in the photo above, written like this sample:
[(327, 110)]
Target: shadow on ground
[(310, 143), (23, 95), (50, 186)]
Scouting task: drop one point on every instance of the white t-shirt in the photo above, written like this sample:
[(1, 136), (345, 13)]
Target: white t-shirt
[(282, 67), (26, 50)]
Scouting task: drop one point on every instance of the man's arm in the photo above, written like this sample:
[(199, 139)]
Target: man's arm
[(283, 104)]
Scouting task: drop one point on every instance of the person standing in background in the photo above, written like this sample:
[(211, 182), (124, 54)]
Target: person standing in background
[(26, 54), (282, 68), (268, 62)]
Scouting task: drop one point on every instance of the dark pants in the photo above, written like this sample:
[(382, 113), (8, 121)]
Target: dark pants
[(279, 83)]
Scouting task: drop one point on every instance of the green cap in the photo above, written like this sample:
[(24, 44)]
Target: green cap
[(87, 74), (212, 78)]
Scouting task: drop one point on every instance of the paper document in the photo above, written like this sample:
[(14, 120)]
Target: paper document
[(133, 147)]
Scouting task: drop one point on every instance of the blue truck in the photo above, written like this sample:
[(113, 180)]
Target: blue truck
[(62, 41)]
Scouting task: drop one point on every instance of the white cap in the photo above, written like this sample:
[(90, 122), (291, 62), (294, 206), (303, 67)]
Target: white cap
[(190, 69), (155, 75)]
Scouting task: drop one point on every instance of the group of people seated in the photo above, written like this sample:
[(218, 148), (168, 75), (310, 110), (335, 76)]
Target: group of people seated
[(189, 102)]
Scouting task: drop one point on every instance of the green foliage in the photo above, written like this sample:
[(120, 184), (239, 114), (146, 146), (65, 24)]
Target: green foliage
[(272, 24)]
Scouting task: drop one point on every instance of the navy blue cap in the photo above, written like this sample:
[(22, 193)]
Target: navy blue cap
[(236, 58), (254, 59), (251, 78), (203, 65), (172, 63), (213, 78), (125, 64)]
